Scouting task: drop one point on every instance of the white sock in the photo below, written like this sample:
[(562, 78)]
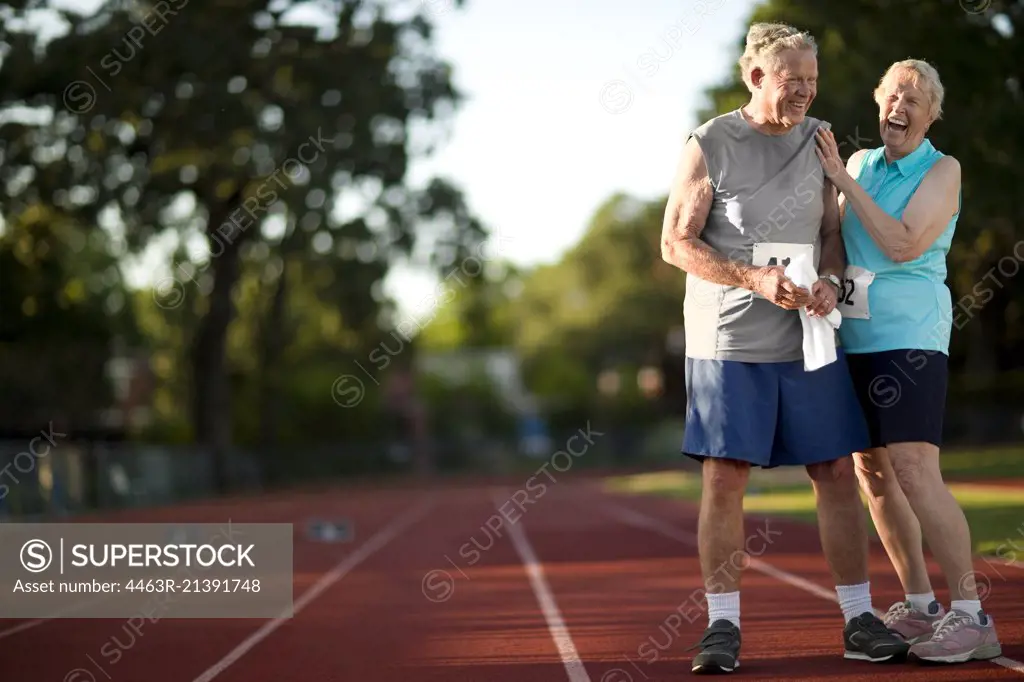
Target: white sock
[(921, 602), (971, 606), (725, 606), (854, 600)]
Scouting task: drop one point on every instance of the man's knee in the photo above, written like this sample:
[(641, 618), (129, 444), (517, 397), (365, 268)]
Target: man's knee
[(725, 477), (837, 472), (874, 471)]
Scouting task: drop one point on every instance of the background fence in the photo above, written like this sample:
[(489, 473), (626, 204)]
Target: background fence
[(43, 480)]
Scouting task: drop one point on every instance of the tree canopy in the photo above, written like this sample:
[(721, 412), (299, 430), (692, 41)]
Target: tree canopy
[(612, 302), (273, 154), (257, 178)]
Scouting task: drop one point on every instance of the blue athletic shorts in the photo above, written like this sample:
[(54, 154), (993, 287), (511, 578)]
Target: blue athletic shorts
[(772, 414)]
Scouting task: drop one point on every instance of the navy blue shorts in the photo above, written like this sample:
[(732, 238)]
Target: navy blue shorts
[(772, 414), (902, 393)]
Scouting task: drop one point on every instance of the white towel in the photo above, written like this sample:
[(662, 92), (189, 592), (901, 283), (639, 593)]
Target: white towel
[(819, 334)]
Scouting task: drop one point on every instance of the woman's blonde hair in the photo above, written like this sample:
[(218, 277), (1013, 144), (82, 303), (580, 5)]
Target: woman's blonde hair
[(766, 40), (924, 76)]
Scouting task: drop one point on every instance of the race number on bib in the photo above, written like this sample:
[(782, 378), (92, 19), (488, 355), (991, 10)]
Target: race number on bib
[(779, 254), (770, 254), (853, 293)]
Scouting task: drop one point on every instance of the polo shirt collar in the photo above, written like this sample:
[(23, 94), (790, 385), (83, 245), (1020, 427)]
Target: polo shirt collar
[(909, 162)]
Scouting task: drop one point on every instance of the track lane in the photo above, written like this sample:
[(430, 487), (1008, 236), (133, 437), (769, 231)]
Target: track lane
[(450, 600), (796, 554), (632, 598), (88, 650)]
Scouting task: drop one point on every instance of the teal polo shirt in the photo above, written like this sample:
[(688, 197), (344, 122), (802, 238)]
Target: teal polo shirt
[(908, 305)]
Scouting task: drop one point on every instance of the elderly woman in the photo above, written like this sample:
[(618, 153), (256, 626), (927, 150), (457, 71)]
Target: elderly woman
[(899, 205)]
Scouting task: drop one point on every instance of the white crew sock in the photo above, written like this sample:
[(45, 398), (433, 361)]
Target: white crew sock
[(971, 606), (921, 602), (725, 606), (854, 600)]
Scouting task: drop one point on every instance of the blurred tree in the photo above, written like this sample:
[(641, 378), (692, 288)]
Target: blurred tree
[(611, 298), (978, 49), (473, 312), (246, 136), (608, 303), (62, 299)]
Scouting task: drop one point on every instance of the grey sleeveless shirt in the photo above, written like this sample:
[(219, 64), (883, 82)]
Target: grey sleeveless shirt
[(768, 206)]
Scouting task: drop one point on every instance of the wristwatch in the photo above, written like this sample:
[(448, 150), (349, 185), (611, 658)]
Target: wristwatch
[(834, 280)]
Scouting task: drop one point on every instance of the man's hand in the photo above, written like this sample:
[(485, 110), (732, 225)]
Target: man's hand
[(825, 299), (772, 283)]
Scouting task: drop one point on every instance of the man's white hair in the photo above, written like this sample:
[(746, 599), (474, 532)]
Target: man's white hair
[(764, 43), (924, 76)]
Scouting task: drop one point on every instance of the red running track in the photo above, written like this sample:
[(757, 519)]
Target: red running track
[(574, 584)]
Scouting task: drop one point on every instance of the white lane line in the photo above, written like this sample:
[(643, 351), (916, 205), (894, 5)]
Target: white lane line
[(556, 625), (381, 538), (1013, 665), (79, 605), (21, 627), (60, 613), (286, 505), (641, 520), (1009, 563)]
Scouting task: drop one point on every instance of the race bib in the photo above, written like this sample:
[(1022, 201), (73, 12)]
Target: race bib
[(853, 293), (766, 255), (780, 254)]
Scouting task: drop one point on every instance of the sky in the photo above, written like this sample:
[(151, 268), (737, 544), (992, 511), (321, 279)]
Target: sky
[(569, 102), (566, 103)]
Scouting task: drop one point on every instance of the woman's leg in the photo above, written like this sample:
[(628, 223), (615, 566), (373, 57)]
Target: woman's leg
[(966, 632), (942, 522), (900, 533), (894, 519)]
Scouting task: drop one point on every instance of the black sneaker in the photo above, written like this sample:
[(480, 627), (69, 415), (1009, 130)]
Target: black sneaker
[(720, 649), (867, 639)]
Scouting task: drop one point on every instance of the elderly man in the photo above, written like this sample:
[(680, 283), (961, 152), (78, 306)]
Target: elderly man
[(750, 194)]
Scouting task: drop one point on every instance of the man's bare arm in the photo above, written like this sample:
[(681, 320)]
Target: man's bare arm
[(689, 203)]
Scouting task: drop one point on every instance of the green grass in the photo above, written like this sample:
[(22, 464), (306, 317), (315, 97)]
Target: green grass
[(979, 463), (995, 515)]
